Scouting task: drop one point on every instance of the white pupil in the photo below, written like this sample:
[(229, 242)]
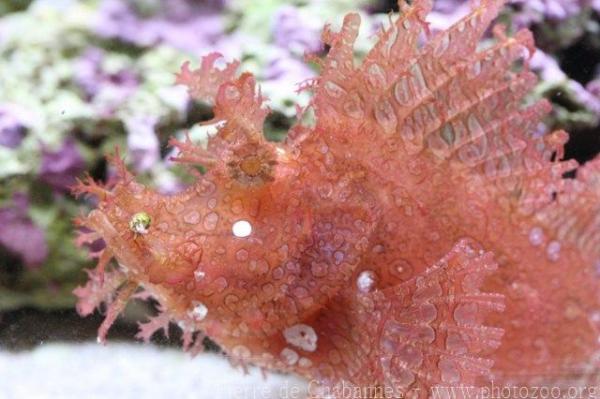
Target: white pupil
[(241, 228)]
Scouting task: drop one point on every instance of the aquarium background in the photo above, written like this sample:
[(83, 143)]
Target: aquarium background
[(80, 78)]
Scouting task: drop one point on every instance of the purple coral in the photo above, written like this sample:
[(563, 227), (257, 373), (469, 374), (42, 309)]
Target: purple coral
[(293, 31), (446, 12), (448, 6), (186, 25), (92, 78), (106, 89), (60, 168), (13, 125), (593, 88), (142, 143), (19, 235), (286, 71), (535, 11)]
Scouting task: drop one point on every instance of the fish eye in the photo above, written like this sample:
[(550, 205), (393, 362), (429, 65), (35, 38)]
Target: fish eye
[(140, 222)]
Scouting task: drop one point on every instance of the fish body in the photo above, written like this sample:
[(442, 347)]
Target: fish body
[(419, 235)]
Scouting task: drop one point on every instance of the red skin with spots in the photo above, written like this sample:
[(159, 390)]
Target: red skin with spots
[(422, 170)]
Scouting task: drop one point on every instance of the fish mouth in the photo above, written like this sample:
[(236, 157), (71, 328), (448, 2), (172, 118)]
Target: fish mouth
[(137, 269)]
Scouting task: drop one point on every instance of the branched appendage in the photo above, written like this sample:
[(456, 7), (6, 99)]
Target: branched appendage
[(104, 287), (84, 236), (204, 82), (555, 142), (104, 258), (88, 186), (191, 153), (122, 175), (116, 306), (159, 322), (307, 84), (192, 339), (98, 290), (103, 192)]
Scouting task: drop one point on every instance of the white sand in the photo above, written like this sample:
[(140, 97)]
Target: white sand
[(115, 371)]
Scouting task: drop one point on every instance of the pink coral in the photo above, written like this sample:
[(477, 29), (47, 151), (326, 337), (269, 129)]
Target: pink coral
[(419, 236)]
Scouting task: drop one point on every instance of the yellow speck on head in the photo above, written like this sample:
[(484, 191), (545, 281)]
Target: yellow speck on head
[(140, 222)]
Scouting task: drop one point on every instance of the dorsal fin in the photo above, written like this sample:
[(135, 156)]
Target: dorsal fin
[(346, 91), (575, 215), (444, 101), (395, 65)]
